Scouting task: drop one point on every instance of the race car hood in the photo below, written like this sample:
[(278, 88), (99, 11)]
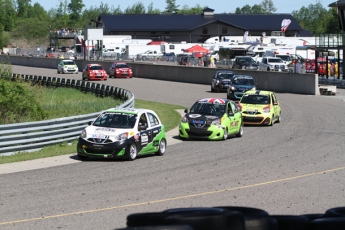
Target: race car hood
[(107, 133), (195, 117), (225, 81), (253, 107), (246, 87)]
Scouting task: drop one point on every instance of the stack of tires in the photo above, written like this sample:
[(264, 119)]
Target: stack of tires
[(234, 218)]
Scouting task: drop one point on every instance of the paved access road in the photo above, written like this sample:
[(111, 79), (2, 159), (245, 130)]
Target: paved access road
[(295, 167)]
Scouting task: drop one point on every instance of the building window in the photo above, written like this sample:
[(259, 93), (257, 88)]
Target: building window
[(204, 30), (224, 30), (152, 32), (172, 47)]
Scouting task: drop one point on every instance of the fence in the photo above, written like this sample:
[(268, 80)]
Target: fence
[(33, 136)]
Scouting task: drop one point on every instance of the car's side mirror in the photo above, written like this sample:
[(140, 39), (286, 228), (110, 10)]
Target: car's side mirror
[(89, 123), (186, 110), (231, 114), (275, 103)]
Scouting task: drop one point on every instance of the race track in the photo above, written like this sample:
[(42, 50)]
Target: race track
[(295, 167)]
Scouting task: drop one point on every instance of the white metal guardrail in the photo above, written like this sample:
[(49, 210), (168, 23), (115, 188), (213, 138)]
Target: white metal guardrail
[(33, 136)]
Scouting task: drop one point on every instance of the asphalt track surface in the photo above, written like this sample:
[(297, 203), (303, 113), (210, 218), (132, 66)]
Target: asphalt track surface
[(295, 167)]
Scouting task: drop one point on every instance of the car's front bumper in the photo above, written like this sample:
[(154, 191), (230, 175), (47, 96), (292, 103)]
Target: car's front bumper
[(213, 132), (262, 119), (107, 150), (70, 70)]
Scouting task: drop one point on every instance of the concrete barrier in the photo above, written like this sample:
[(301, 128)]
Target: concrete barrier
[(272, 81)]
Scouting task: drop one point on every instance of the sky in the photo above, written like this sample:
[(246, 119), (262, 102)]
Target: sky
[(220, 6)]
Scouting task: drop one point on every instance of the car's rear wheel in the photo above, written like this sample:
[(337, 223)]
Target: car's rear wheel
[(162, 147), (132, 152), (240, 131), (279, 118), (225, 135), (212, 89)]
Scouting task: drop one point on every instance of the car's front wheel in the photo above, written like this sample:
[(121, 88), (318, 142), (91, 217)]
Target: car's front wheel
[(225, 135), (272, 120), (240, 131), (279, 118), (83, 158), (162, 147), (132, 152)]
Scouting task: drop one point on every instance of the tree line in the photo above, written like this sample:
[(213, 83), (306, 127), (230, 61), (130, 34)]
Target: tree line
[(21, 20)]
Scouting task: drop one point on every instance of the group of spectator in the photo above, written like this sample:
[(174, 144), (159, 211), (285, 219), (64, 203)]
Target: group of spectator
[(66, 32)]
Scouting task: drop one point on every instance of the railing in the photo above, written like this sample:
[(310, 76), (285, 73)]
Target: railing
[(33, 136)]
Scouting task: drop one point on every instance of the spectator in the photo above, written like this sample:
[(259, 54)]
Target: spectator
[(212, 62)]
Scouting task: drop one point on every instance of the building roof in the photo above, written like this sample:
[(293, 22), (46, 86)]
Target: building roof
[(337, 3), (182, 22)]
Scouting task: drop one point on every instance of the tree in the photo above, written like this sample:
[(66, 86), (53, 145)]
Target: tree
[(313, 18), (75, 7), (247, 9), (22, 8), (150, 9), (268, 6), (171, 7), (137, 8), (194, 10)]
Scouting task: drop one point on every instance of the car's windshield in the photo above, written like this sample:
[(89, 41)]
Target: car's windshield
[(224, 75), (285, 58), (69, 63), (208, 108), (122, 66), (243, 81), (246, 61), (96, 67), (116, 120), (255, 99)]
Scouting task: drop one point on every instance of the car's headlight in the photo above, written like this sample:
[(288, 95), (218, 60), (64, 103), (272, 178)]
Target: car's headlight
[(83, 134), (254, 88), (233, 88), (216, 122), (267, 109), (184, 119), (122, 136)]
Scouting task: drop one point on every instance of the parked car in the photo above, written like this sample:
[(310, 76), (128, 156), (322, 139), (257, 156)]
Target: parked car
[(123, 133), (244, 62), (120, 69), (67, 66), (309, 65), (212, 119), (260, 108), (220, 81), (272, 64), (94, 72), (238, 85), (168, 57)]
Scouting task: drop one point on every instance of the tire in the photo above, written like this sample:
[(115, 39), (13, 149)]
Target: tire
[(217, 89), (212, 89), (225, 136), (290, 222), (143, 58), (272, 121), (279, 118), (83, 158), (132, 152), (240, 132), (162, 147), (268, 69), (336, 212), (58, 71)]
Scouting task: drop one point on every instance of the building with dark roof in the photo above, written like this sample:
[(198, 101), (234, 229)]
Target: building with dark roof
[(196, 28)]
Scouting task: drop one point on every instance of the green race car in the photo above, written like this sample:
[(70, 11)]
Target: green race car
[(212, 119), (123, 133)]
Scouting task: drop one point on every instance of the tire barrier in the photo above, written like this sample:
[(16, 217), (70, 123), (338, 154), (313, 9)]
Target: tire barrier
[(33, 136), (234, 218)]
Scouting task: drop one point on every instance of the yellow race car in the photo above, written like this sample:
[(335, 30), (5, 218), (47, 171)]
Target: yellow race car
[(260, 108)]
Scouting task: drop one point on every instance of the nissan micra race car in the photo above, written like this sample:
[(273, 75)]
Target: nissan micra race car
[(212, 119), (67, 66), (123, 133), (260, 108)]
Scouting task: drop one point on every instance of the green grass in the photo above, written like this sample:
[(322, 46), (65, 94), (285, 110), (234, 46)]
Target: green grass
[(166, 112)]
